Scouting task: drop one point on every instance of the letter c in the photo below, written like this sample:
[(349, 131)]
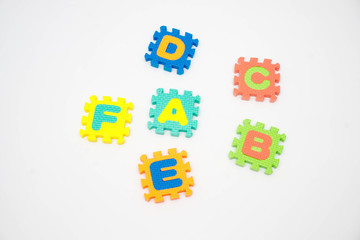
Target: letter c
[(257, 86)]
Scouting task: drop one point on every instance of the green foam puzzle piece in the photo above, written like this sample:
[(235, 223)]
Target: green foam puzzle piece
[(268, 163)]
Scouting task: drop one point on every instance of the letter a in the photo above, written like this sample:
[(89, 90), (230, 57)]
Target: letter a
[(174, 111)]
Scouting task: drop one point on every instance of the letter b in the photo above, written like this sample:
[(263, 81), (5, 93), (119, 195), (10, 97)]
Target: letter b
[(257, 145)]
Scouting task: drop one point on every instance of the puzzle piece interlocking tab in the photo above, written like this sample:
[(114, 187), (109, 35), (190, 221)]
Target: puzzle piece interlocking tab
[(106, 119), (174, 112), (257, 79), (165, 175), (257, 146), (171, 50)]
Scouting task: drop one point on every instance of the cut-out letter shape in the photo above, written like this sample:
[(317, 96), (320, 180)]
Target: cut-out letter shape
[(257, 145), (158, 175), (174, 111)]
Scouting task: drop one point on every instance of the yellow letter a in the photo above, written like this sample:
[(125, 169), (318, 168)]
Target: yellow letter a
[(174, 111)]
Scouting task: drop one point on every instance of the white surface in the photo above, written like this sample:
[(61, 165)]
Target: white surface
[(55, 185)]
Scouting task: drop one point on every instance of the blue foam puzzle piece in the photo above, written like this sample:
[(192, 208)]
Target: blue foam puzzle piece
[(178, 64)]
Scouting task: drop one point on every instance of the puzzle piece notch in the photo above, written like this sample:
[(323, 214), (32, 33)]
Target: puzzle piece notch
[(178, 64), (275, 148), (181, 169), (241, 68), (107, 132), (188, 102)]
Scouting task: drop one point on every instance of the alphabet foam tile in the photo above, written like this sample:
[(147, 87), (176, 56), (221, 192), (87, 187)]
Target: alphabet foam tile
[(106, 119), (257, 79), (257, 146), (174, 112), (171, 50), (162, 182)]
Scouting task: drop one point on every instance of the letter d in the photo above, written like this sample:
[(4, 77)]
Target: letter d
[(164, 44)]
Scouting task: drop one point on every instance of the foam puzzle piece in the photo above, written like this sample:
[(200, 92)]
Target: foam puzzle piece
[(257, 146), (256, 79), (171, 50), (165, 175), (174, 112), (106, 119)]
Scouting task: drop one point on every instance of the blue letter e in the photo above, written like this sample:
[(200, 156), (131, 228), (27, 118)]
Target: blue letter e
[(157, 175)]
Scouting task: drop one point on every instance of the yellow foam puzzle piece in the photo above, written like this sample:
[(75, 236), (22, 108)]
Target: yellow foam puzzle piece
[(107, 129)]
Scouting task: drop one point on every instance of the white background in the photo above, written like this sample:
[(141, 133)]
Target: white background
[(55, 185)]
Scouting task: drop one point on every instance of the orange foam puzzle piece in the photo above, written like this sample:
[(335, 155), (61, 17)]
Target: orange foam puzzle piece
[(166, 175), (256, 79)]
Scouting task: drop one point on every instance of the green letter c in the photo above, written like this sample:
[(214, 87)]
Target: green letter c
[(257, 86)]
